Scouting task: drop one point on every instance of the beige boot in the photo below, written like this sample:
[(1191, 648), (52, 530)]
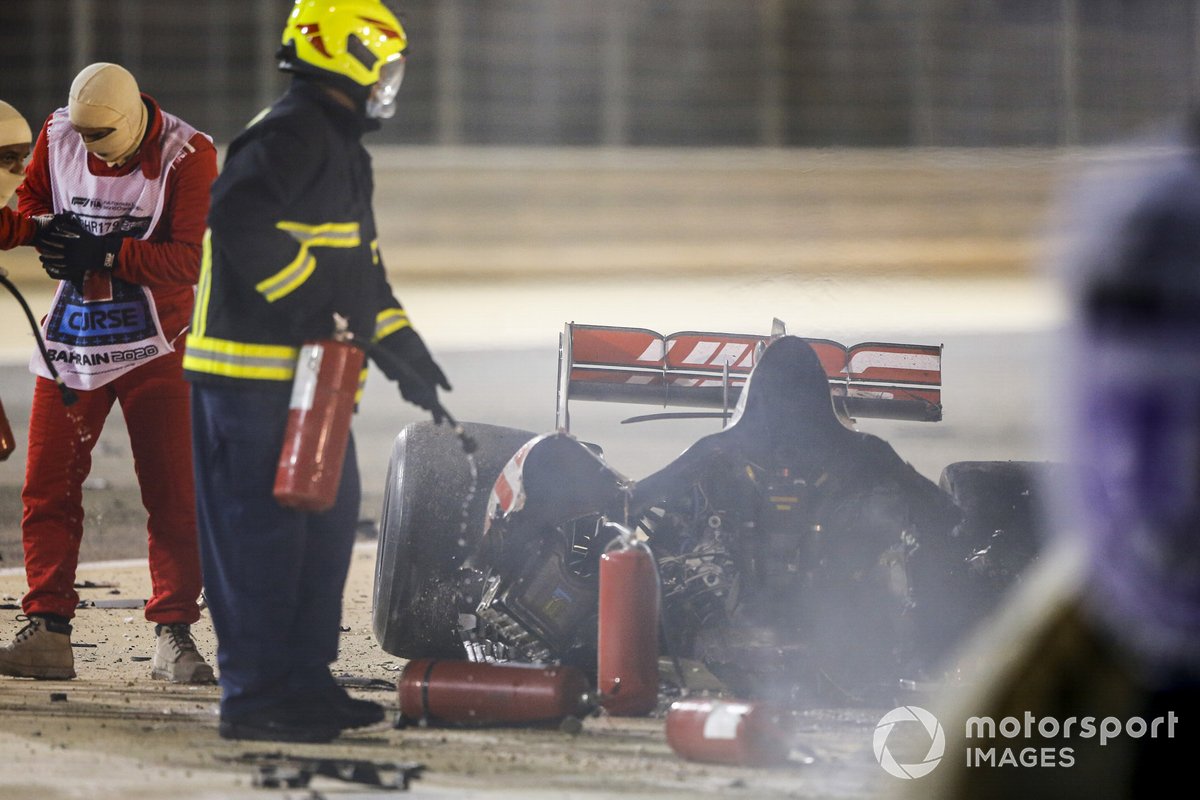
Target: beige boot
[(42, 649), (176, 658)]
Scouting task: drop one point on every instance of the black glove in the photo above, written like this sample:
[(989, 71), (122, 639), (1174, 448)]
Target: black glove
[(49, 225), (43, 222), (421, 392), (67, 251), (406, 360)]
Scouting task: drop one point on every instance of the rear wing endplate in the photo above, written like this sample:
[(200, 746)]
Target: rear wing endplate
[(708, 370)]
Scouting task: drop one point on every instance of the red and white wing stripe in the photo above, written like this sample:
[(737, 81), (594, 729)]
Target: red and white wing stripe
[(690, 368)]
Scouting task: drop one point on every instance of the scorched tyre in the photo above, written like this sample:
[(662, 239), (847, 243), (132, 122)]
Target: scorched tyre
[(433, 512)]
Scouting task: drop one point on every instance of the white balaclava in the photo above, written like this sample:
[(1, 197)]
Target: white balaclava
[(13, 130), (107, 96)]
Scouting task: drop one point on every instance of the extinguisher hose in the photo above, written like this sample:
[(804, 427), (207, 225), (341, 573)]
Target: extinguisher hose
[(68, 395), (396, 365)]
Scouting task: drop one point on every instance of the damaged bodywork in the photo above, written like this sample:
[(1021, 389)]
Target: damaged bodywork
[(793, 551)]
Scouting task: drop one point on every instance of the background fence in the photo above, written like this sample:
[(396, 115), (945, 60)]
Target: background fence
[(665, 72)]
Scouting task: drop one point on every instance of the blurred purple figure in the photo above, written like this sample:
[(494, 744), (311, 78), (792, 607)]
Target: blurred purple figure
[(1135, 415), (1108, 627)]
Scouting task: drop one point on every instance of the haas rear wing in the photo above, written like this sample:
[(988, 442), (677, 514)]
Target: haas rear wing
[(708, 370)]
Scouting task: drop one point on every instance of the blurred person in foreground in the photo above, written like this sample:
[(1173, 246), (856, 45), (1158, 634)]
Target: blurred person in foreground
[(1098, 658), (292, 242), (127, 186), (16, 139)]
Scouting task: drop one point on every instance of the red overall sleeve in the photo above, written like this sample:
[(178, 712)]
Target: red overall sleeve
[(33, 196), (171, 256), (15, 230)]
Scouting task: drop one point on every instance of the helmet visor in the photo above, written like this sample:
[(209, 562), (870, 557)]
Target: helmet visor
[(382, 102)]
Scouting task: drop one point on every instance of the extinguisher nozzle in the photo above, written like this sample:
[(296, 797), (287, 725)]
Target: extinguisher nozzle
[(469, 445), (68, 394)]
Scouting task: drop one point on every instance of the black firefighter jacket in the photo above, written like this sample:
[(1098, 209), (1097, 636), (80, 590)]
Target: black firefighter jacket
[(291, 241)]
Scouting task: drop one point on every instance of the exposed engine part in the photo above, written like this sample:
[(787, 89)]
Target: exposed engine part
[(539, 610), (700, 587), (497, 622), (480, 650)]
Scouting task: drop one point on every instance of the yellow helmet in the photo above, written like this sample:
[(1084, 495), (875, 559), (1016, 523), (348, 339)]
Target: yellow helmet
[(353, 39)]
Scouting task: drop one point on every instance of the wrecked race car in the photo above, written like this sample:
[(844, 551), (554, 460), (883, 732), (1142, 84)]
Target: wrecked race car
[(795, 554)]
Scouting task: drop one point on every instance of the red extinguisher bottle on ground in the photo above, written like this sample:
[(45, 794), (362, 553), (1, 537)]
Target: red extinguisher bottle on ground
[(724, 732), (467, 693), (627, 647), (8, 442), (318, 425)]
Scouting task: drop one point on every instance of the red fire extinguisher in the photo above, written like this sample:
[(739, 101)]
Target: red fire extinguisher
[(8, 442), (318, 425), (466, 693), (627, 647), (724, 732)]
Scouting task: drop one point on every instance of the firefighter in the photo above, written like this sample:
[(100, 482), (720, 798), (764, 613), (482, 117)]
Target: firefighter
[(127, 185), (291, 243), (15, 141)]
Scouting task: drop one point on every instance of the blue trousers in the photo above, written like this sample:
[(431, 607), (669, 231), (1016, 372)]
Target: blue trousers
[(273, 576)]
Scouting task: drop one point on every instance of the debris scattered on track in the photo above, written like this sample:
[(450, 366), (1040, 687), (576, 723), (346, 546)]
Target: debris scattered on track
[(277, 769)]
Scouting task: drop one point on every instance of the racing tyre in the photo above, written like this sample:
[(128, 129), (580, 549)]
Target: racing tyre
[(960, 581), (433, 513), (1004, 504)]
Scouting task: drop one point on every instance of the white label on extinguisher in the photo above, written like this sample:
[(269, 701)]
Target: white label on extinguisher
[(723, 720), (308, 367)]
